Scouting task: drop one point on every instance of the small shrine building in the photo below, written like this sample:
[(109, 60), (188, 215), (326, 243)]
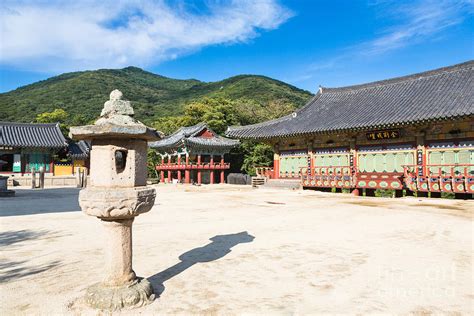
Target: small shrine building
[(24, 146), (28, 146), (413, 133), (193, 154)]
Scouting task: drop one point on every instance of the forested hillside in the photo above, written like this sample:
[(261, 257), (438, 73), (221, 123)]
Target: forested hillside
[(82, 94)]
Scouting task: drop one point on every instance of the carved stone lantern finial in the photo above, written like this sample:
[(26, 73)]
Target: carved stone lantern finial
[(116, 195)]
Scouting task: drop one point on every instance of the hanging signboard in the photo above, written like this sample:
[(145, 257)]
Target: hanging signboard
[(383, 134)]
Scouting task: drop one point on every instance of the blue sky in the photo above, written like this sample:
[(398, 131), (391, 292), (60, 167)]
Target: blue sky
[(303, 42)]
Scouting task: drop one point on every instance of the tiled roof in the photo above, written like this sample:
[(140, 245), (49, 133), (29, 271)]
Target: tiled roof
[(189, 136), (30, 135), (217, 141), (445, 93), (78, 150)]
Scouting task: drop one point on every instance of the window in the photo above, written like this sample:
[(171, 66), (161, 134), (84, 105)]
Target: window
[(385, 162), (451, 157)]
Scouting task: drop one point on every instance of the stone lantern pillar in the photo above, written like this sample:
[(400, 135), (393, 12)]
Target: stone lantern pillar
[(116, 194)]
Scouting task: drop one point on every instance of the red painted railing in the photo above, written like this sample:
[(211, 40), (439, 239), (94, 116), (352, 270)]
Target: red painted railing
[(202, 166), (327, 177), (266, 172), (457, 178)]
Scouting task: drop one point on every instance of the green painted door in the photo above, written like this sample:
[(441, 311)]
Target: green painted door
[(38, 160)]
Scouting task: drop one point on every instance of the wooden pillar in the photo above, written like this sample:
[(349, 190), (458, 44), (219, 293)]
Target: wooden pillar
[(353, 162), (276, 164), (199, 170), (211, 171), (187, 178), (179, 170), (421, 154), (162, 176), (222, 177), (169, 171)]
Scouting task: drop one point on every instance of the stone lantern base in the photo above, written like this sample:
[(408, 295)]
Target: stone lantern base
[(117, 209), (136, 294), (4, 192), (116, 203)]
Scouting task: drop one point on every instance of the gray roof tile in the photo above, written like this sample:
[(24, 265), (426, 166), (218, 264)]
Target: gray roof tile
[(444, 93), (78, 150), (188, 136), (30, 135)]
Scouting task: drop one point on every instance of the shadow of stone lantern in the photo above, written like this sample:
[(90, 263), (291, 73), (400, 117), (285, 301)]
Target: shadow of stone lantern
[(116, 195)]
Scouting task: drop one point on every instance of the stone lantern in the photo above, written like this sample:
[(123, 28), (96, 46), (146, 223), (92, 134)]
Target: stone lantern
[(116, 194)]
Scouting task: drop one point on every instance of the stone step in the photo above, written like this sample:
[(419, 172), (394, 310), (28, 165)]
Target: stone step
[(257, 181), (283, 184)]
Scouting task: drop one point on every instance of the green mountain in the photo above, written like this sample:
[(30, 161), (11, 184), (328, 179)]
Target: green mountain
[(82, 94)]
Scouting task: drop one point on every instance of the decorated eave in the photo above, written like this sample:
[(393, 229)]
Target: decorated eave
[(217, 142), (437, 95), (30, 135), (78, 150), (190, 137)]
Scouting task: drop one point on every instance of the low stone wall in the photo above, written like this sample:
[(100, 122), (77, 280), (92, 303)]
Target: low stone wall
[(49, 181)]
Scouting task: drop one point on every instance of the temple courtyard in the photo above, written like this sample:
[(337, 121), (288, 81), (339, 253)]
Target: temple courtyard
[(225, 249)]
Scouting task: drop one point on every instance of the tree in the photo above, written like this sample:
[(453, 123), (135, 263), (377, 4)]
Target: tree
[(256, 155), (251, 112), (217, 112), (168, 124), (57, 116)]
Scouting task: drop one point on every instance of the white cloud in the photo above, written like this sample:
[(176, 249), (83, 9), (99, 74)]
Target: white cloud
[(409, 23), (63, 36), (416, 21)]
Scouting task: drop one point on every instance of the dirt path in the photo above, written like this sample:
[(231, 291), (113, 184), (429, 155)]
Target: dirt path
[(236, 250)]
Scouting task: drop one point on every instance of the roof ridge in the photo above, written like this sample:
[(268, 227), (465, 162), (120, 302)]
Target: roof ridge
[(416, 76), (29, 124)]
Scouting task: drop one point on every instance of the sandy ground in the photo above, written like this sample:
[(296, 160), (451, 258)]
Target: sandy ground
[(236, 250)]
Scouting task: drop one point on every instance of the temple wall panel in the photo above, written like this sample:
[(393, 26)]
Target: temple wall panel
[(380, 157)]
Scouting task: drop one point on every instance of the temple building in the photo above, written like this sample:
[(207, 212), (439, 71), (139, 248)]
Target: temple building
[(28, 146), (193, 154), (414, 132), (24, 146)]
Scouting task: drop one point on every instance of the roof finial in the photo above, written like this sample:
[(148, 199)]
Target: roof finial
[(320, 89)]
